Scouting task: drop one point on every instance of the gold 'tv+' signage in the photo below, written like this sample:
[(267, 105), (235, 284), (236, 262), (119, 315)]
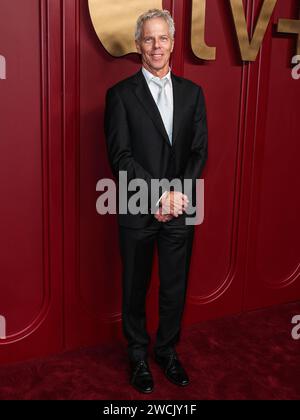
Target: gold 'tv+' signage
[(114, 22), (114, 25)]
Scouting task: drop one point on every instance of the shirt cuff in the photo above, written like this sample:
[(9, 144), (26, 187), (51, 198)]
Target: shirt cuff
[(161, 198)]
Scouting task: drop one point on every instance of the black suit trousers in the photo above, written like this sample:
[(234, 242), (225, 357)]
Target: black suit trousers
[(174, 245)]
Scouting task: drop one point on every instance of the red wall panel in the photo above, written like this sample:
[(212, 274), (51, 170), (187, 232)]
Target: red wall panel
[(21, 174), (61, 277), (273, 261), (30, 169), (215, 281)]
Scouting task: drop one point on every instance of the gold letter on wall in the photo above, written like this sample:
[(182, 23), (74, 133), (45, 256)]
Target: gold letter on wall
[(2, 67), (249, 50), (114, 22), (290, 26), (199, 46), (2, 327)]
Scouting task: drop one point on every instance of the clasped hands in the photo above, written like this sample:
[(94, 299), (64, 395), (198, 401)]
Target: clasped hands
[(173, 204)]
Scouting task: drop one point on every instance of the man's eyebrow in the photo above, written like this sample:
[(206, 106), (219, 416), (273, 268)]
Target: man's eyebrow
[(149, 36)]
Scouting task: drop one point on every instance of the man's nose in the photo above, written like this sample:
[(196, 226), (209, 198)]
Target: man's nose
[(156, 43)]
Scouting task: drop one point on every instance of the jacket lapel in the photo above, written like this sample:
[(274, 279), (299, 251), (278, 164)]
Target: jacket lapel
[(145, 97)]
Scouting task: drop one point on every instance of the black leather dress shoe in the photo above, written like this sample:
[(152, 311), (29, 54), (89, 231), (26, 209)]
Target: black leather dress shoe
[(173, 369), (141, 377)]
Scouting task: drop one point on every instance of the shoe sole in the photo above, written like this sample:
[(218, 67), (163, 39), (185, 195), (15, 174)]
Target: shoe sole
[(174, 382), (138, 389)]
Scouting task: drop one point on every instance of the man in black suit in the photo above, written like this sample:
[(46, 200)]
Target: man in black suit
[(155, 127)]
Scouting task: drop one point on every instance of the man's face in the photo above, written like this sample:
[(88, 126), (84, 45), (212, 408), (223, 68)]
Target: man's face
[(155, 45)]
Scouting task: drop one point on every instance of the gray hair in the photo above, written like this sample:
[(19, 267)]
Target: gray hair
[(151, 14)]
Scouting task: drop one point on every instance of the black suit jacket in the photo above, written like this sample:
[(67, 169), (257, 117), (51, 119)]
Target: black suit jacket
[(137, 141)]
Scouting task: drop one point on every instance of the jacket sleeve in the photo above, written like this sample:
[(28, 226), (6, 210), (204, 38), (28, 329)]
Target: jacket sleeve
[(118, 143), (199, 146)]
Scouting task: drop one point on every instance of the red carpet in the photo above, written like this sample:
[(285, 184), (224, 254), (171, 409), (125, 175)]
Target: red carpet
[(249, 356)]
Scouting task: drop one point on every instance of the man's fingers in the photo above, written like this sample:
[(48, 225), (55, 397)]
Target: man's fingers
[(175, 195), (161, 217), (177, 208), (174, 210), (174, 203), (180, 196), (177, 199)]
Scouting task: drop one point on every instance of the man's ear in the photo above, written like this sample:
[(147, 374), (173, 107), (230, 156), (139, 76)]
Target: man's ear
[(172, 46)]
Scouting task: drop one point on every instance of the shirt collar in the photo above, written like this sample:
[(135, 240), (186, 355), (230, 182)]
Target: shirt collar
[(149, 76)]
